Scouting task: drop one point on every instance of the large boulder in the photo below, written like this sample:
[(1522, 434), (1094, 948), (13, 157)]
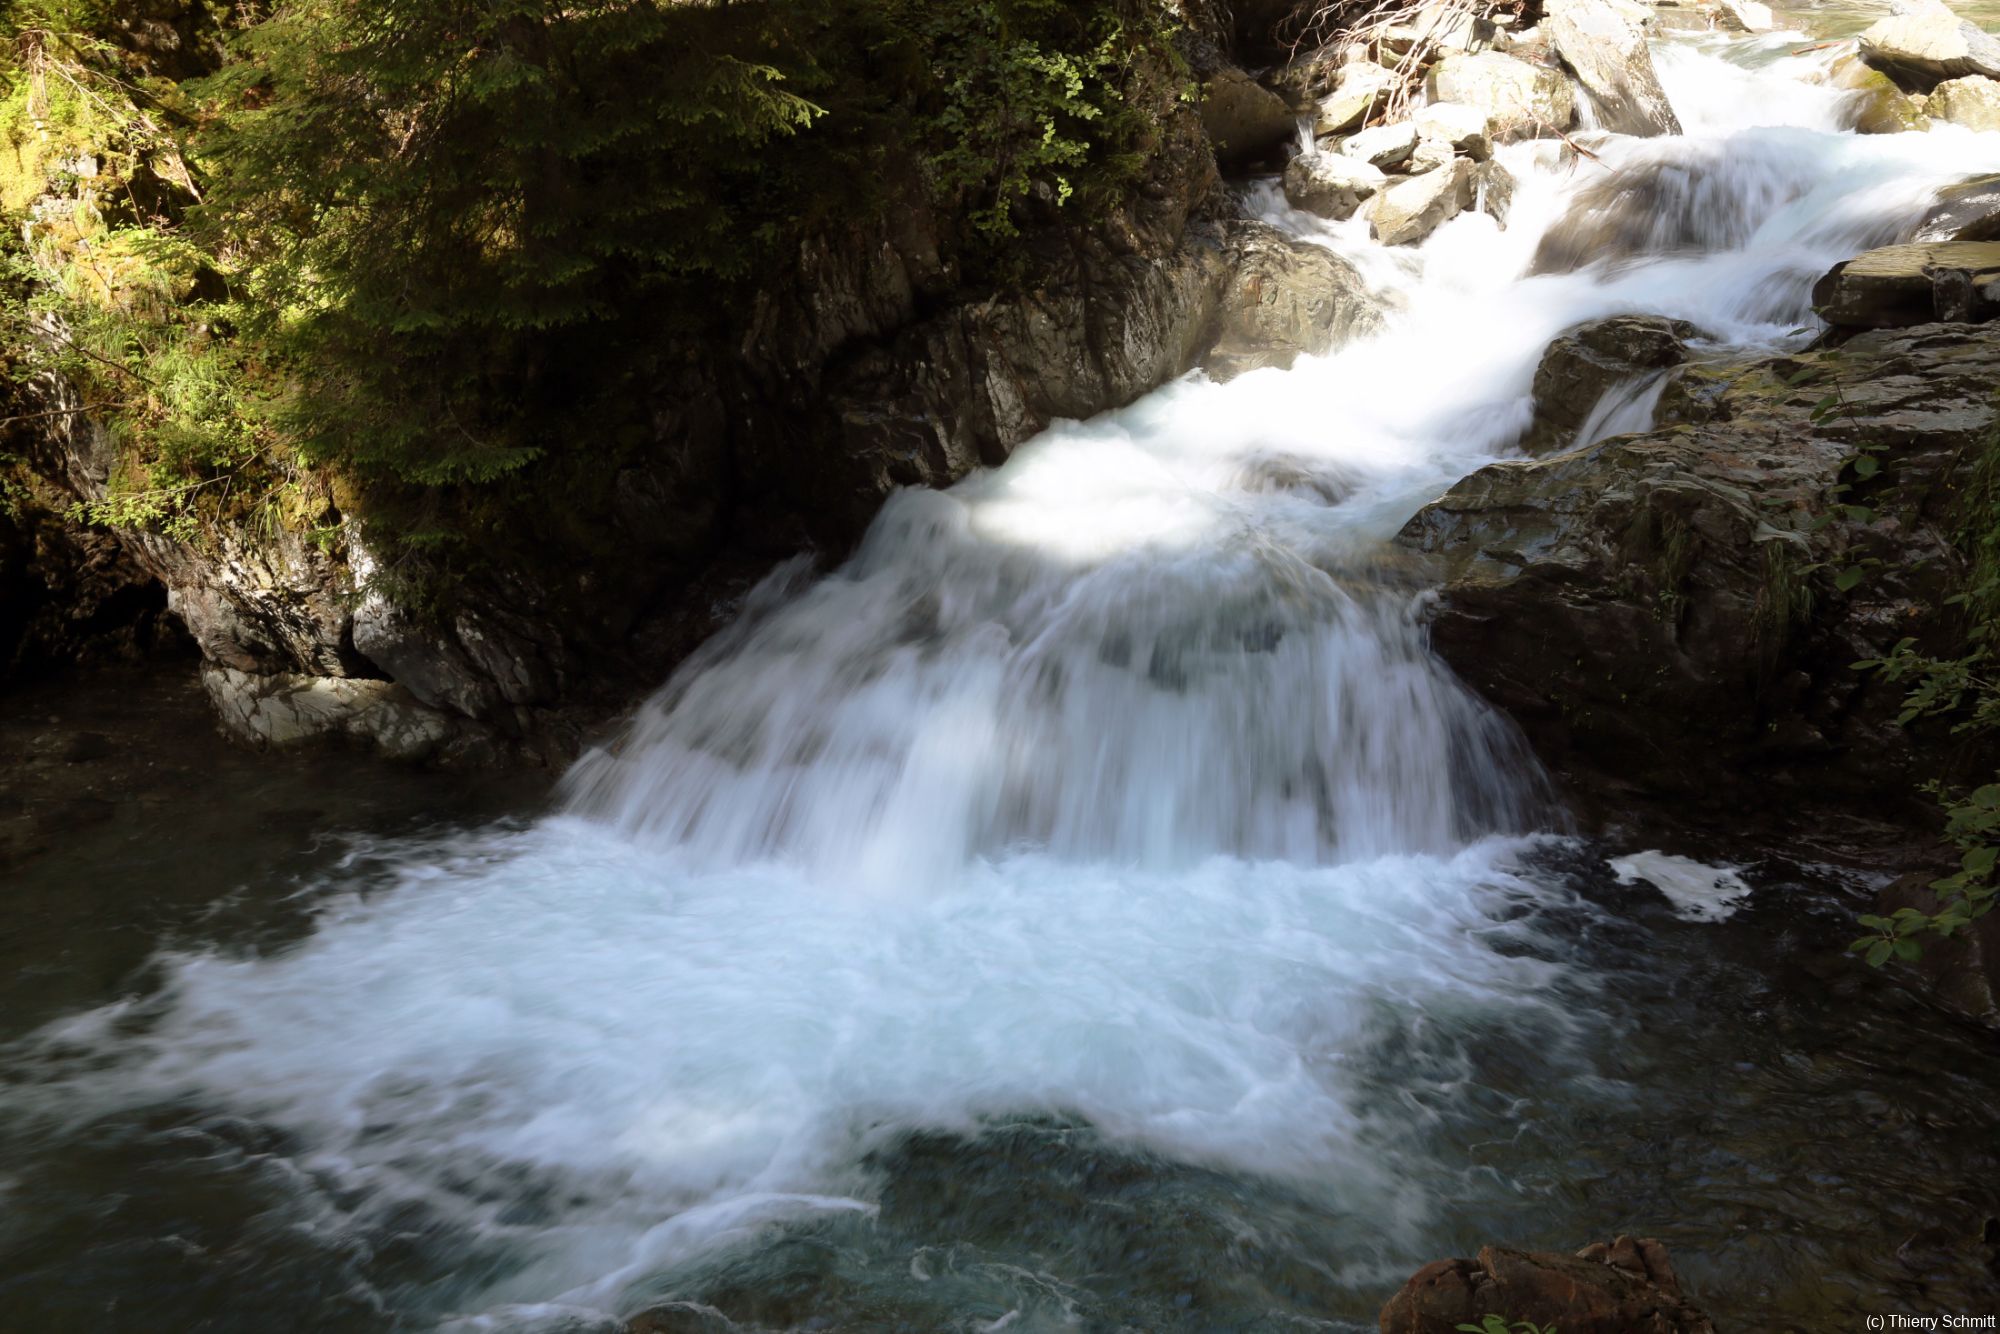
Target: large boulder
[(1877, 106), (1411, 210), (1604, 41), (1467, 129), (1521, 99), (1286, 298), (1929, 45), (1624, 1287), (1973, 101), (1330, 184), (1243, 118), (1588, 362), (1660, 613), (1362, 87), (1968, 211), (1900, 285)]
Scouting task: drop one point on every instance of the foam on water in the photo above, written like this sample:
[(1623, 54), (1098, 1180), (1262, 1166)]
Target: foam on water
[(1115, 784)]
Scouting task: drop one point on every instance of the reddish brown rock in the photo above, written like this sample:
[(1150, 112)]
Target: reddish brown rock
[(1624, 1287)]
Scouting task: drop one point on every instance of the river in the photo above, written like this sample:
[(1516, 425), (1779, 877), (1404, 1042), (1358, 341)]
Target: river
[(1090, 907)]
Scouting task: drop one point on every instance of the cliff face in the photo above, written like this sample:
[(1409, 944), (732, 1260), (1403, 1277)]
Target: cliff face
[(867, 360)]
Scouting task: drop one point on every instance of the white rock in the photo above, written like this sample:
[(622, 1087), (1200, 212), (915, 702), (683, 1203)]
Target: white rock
[(1521, 100), (1926, 47), (1750, 15), (1973, 101), (1330, 185), (1464, 128), (1411, 210), (1363, 86), (1384, 146)]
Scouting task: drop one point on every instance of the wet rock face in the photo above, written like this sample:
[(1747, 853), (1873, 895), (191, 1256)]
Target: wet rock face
[(1658, 611), (1412, 209), (1604, 41), (1624, 1287), (1968, 211), (1285, 298), (1584, 364)]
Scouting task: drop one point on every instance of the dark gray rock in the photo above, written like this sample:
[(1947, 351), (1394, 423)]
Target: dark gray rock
[(1658, 612), (1584, 364)]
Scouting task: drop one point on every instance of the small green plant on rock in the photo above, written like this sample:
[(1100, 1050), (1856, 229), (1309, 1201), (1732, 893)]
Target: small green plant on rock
[(1494, 1324), (1962, 687)]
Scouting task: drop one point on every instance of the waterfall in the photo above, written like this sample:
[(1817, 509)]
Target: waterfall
[(1114, 785)]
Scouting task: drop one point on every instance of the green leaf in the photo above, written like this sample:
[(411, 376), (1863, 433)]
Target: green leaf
[(1979, 861), (1909, 951), (1873, 922), (1860, 514), (1878, 953), (1866, 466), (1848, 579)]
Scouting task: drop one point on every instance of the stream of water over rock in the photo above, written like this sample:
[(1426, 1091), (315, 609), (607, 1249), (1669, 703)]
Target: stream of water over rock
[(1091, 906)]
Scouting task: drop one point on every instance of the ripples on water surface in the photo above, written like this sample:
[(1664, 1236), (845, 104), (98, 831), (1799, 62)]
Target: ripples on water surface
[(1092, 905)]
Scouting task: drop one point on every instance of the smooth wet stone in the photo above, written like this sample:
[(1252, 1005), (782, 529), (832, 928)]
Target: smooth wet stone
[(1973, 101), (1604, 41), (1749, 15), (1587, 362), (1521, 99), (1493, 189), (1968, 211), (1330, 185), (1895, 286)]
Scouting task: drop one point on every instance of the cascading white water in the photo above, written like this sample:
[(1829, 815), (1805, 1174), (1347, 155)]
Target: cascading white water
[(1115, 783)]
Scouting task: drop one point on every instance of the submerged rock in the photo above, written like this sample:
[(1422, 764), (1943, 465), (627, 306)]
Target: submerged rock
[(1411, 210), (1658, 611), (1604, 41), (1331, 185), (1521, 100), (1624, 1287), (1932, 44), (1973, 101), (1588, 362), (1900, 285)]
